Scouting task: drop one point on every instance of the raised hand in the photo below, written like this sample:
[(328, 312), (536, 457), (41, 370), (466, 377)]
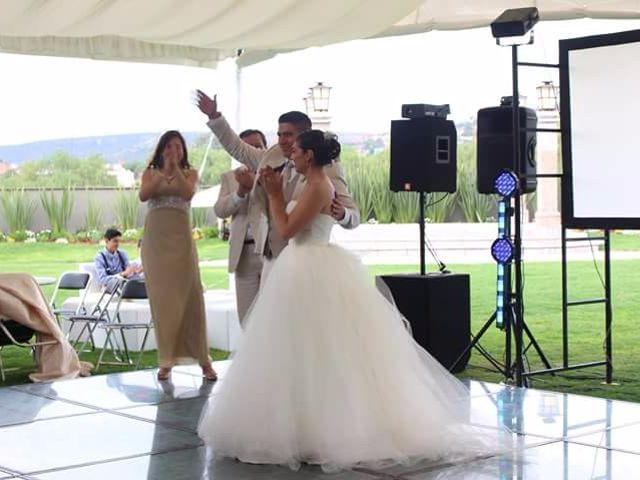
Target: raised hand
[(207, 105), (245, 179), (170, 162)]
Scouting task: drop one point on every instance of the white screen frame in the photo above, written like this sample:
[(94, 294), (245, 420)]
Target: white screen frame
[(600, 103)]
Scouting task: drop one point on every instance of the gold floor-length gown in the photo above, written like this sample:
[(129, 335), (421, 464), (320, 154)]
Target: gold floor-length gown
[(172, 276)]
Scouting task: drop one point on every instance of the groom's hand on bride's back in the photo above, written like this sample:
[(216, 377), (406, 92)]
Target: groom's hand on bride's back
[(337, 208)]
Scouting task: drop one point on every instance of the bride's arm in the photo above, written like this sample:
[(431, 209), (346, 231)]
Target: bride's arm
[(310, 203)]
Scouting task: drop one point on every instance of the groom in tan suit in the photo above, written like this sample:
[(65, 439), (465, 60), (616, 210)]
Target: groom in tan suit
[(268, 242), (233, 201)]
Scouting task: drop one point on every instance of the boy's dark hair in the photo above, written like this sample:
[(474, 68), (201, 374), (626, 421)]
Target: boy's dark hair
[(112, 233)]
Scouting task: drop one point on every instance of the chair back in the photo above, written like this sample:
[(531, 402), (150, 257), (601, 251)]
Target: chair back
[(133, 290), (72, 281), (109, 293)]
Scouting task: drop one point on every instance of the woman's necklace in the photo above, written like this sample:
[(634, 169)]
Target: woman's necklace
[(167, 178)]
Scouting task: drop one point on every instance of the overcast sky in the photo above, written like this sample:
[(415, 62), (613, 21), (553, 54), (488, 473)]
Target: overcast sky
[(45, 97)]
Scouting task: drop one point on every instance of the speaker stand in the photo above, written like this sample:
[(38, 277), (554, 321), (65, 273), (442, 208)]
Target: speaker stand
[(421, 222), (509, 370)]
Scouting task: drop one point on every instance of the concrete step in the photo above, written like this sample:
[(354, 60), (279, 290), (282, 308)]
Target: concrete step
[(398, 238)]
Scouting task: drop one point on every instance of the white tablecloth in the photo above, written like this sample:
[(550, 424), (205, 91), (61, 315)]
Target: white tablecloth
[(223, 328)]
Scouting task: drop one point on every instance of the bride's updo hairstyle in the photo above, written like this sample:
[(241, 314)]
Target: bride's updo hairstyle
[(325, 150)]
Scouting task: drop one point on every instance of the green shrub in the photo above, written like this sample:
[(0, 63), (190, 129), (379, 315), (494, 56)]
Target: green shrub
[(210, 231), (127, 206), (93, 217), (58, 210), (18, 210)]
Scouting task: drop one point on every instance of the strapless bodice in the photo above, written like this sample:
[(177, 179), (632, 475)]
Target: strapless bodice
[(317, 232)]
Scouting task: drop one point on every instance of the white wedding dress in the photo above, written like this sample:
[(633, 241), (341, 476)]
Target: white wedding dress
[(326, 373)]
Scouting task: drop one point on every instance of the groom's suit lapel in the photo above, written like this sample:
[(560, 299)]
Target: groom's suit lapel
[(291, 178)]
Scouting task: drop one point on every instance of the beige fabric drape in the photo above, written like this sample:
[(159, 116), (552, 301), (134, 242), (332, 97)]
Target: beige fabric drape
[(22, 300)]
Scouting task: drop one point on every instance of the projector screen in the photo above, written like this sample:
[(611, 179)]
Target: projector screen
[(600, 115)]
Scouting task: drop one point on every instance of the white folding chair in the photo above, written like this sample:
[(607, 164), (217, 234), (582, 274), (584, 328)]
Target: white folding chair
[(98, 314), (131, 290), (71, 281)]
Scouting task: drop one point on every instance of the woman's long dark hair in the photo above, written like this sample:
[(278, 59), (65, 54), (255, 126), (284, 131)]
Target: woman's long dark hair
[(157, 161)]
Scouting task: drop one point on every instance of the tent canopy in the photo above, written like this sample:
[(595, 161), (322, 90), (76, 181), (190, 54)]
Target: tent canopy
[(204, 32)]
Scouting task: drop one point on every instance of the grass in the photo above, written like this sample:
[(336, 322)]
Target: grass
[(624, 241), (542, 312), (51, 259), (542, 301)]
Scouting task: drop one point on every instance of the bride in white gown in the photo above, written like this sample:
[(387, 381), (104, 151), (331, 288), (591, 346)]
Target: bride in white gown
[(326, 372)]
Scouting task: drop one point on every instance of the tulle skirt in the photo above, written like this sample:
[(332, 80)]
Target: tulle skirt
[(327, 373)]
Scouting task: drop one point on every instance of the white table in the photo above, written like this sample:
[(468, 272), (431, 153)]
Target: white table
[(45, 280), (223, 327), (90, 268)]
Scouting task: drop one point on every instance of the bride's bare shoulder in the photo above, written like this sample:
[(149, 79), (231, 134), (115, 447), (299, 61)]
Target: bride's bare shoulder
[(321, 187)]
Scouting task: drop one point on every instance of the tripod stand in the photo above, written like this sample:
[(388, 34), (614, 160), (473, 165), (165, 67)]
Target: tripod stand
[(505, 312)]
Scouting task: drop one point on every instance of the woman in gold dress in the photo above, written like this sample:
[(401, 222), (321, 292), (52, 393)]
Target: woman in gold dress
[(170, 258)]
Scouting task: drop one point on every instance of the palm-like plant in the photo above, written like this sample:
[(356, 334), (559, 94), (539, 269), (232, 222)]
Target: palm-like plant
[(58, 210), (406, 207), (93, 217), (127, 206), (18, 210)]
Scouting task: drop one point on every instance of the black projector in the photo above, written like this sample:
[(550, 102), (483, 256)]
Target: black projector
[(514, 22), (421, 110)]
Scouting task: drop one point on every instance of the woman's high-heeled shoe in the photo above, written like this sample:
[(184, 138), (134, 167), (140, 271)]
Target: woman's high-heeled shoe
[(209, 373), (164, 373)]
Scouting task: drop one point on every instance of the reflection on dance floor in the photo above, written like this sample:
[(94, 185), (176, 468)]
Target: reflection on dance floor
[(129, 425)]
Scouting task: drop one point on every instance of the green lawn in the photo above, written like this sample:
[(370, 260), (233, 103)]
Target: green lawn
[(50, 259), (586, 324), (542, 311), (623, 241)]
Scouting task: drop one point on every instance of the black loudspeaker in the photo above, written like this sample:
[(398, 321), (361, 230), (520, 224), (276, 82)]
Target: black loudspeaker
[(438, 308), (495, 147), (423, 155)]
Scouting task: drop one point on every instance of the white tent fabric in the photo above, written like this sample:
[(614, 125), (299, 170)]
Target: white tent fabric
[(204, 32), (196, 32), (461, 14), (206, 198)]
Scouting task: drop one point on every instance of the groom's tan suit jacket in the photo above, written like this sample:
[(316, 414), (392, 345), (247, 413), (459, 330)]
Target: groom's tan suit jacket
[(267, 240)]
